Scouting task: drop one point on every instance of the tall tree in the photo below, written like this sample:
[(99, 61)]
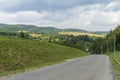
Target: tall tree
[(22, 35)]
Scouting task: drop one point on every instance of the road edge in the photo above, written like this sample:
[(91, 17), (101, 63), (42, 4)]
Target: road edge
[(113, 71)]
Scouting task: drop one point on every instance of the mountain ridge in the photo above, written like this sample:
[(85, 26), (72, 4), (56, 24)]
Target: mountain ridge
[(38, 29)]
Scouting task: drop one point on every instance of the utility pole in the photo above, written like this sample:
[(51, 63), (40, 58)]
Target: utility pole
[(114, 44), (101, 49), (107, 45)]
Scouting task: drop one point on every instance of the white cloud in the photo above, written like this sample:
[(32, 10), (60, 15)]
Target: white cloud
[(88, 17), (91, 17), (113, 6), (20, 17)]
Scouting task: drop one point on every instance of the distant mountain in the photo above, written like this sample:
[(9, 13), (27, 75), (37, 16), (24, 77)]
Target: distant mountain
[(29, 28), (35, 29), (101, 32), (2, 24)]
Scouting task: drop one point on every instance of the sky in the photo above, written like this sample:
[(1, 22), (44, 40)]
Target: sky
[(91, 15)]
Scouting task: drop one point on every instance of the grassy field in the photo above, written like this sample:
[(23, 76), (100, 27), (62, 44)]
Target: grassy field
[(81, 33), (18, 55), (115, 59)]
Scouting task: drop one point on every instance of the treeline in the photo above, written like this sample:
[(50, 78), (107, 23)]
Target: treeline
[(7, 33), (107, 44), (20, 34), (95, 45), (82, 42), (115, 34)]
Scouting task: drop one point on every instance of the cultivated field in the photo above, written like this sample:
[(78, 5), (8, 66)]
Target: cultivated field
[(81, 33), (35, 35)]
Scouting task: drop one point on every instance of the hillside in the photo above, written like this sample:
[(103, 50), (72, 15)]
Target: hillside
[(21, 54), (102, 32), (35, 29), (28, 28)]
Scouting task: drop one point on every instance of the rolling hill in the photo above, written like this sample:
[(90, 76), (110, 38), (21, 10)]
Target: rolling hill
[(31, 29), (28, 28), (35, 29)]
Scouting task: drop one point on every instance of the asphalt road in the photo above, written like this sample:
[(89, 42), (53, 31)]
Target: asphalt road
[(94, 67)]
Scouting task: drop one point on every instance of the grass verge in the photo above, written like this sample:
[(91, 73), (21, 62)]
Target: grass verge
[(115, 59), (20, 55)]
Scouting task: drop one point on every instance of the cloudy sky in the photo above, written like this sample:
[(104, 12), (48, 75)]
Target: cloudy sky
[(92, 15)]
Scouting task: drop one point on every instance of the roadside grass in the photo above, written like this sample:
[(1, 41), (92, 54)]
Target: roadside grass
[(81, 33), (20, 55), (115, 59)]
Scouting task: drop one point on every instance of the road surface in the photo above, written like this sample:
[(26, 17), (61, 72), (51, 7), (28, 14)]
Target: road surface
[(94, 67)]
